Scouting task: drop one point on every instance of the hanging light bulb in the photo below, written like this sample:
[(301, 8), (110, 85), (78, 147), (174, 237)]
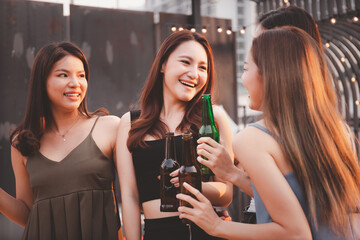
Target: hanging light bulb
[(242, 31), (173, 28), (355, 19), (181, 28), (357, 102), (342, 59), (333, 20), (228, 32), (219, 29), (327, 44), (193, 29), (204, 30), (353, 79)]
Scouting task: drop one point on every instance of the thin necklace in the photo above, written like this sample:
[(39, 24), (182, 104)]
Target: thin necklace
[(66, 132)]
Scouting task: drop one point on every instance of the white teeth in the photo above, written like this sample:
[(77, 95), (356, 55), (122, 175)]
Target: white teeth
[(72, 94), (188, 84)]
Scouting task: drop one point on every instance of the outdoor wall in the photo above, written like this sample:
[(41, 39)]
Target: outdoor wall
[(24, 28), (119, 46)]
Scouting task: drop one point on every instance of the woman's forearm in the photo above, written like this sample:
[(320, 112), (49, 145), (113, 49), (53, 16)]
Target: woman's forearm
[(240, 179), (14, 209), (132, 220), (219, 193)]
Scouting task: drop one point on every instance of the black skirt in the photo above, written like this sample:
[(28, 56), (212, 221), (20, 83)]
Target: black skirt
[(171, 228)]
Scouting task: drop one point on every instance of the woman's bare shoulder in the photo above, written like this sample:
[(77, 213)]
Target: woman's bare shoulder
[(108, 122)]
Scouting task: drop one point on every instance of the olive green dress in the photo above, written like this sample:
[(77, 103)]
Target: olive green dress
[(73, 198)]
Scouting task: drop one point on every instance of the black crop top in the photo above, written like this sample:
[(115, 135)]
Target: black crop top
[(147, 163)]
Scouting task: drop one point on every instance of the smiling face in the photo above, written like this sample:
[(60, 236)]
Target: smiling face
[(253, 83), (185, 72), (66, 84)]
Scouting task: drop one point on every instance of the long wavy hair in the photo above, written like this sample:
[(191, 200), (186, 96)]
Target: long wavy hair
[(298, 105), (38, 116), (296, 17), (151, 100)]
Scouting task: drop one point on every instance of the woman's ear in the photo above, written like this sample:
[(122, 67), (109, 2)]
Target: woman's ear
[(163, 66)]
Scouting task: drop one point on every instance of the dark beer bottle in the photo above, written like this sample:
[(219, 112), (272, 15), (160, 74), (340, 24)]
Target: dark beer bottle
[(169, 202), (207, 129), (189, 171)]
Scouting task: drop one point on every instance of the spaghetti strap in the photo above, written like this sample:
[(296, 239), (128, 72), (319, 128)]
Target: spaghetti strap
[(134, 115), (264, 129), (94, 124)]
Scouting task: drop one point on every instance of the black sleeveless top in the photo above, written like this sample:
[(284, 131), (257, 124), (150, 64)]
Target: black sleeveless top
[(147, 163)]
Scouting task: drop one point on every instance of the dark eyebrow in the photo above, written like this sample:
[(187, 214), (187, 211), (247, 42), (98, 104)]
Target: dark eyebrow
[(185, 56), (64, 70), (61, 70)]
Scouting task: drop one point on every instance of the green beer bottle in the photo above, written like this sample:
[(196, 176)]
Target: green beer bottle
[(207, 129)]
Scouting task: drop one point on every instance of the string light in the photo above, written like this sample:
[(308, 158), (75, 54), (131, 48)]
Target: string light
[(353, 79), (228, 30), (357, 102), (333, 20), (242, 31), (286, 1), (342, 59), (327, 44), (355, 19)]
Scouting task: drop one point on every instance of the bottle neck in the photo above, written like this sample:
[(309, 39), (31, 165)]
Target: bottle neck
[(170, 148), (207, 112), (188, 152)]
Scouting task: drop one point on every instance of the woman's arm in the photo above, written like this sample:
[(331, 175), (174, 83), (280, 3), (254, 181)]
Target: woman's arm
[(289, 221), (128, 188), (220, 162), (220, 156), (17, 209), (220, 192)]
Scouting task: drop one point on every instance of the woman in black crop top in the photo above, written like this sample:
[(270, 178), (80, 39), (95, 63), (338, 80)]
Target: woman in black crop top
[(183, 70)]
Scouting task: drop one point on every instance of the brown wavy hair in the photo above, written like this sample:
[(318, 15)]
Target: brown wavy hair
[(296, 17), (298, 104), (151, 100), (38, 116)]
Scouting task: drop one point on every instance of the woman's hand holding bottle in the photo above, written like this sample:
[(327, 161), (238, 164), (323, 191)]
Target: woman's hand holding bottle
[(218, 158)]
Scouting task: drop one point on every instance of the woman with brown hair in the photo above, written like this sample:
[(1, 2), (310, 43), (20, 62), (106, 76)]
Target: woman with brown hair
[(224, 167), (182, 71), (62, 155), (300, 157)]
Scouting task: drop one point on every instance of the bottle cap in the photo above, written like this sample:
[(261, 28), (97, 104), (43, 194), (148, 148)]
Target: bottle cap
[(169, 134), (187, 136)]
